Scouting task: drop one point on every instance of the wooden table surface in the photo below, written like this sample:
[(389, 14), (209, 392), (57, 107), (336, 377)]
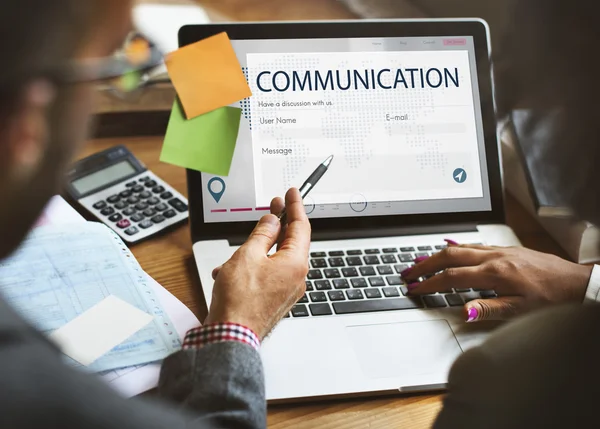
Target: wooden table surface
[(169, 260)]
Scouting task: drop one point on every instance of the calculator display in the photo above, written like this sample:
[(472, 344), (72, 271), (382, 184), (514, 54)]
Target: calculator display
[(101, 178)]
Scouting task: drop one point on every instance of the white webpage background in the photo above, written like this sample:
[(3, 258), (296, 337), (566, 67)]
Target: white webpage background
[(376, 159)]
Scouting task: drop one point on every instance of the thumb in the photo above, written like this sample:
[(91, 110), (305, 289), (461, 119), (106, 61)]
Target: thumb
[(493, 309), (264, 236)]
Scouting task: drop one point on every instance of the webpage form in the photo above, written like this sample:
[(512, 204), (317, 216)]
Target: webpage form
[(401, 117)]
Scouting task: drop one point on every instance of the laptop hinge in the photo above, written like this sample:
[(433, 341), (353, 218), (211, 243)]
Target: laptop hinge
[(378, 232)]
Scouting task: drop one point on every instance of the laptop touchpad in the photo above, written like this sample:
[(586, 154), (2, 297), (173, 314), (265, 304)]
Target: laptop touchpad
[(395, 349)]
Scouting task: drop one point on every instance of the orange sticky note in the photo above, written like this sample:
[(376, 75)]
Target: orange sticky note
[(207, 75)]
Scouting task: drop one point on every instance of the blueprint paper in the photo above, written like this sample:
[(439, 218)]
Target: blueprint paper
[(61, 271)]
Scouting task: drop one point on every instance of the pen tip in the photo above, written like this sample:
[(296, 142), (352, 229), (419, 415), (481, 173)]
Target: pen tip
[(328, 161)]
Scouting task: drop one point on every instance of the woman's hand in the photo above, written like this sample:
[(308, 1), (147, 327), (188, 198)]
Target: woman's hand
[(522, 278)]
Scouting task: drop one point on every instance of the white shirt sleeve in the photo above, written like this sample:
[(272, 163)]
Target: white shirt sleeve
[(592, 294)]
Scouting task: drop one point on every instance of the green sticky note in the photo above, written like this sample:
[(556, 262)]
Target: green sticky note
[(205, 143)]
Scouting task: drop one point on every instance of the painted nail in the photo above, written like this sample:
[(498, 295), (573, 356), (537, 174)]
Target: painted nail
[(421, 259), (473, 314), (406, 272), (412, 286), (451, 242)]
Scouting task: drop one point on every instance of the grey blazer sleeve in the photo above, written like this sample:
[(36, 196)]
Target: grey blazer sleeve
[(538, 372), (218, 386)]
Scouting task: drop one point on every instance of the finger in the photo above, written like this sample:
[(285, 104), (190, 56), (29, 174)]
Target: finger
[(216, 272), (494, 309), (459, 278), (277, 206), (450, 257), (264, 235), (297, 234), (452, 243)]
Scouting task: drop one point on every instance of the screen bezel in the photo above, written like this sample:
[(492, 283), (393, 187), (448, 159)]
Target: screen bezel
[(355, 29)]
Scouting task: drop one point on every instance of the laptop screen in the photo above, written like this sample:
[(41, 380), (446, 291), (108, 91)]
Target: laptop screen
[(402, 117)]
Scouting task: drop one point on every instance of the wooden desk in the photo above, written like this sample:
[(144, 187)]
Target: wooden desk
[(169, 260)]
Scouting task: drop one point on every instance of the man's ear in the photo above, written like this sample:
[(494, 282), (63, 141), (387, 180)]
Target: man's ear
[(26, 131)]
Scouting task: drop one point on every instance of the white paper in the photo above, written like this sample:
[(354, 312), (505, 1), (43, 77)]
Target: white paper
[(102, 327)]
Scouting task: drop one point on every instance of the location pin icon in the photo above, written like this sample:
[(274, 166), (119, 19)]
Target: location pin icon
[(216, 187)]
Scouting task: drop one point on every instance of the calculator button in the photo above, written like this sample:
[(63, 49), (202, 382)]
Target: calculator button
[(166, 195), (129, 211), (137, 188), (125, 194), (113, 199), (170, 213), (141, 206), (131, 184), (145, 194), (123, 223), (144, 179), (115, 218), (160, 207), (133, 200), (121, 205), (146, 224), (153, 201), (178, 205), (131, 231), (158, 190), (107, 211), (137, 217), (150, 184), (158, 219), (99, 205), (149, 212)]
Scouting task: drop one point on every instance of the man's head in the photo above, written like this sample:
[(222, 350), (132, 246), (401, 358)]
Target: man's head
[(43, 122)]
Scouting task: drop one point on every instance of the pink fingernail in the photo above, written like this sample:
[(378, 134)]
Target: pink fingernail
[(412, 286), (406, 272), (420, 259), (473, 314), (451, 242)]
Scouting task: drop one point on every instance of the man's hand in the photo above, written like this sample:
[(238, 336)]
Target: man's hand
[(523, 279), (256, 290)]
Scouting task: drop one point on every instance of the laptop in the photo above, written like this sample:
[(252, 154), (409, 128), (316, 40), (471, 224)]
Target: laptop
[(406, 108)]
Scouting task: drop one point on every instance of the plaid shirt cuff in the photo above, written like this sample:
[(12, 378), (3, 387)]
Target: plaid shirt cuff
[(218, 333)]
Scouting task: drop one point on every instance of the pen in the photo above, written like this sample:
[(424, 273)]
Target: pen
[(310, 183)]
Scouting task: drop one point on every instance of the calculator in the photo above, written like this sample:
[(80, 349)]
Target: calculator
[(117, 189)]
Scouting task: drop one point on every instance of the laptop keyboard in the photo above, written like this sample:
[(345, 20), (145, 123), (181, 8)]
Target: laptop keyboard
[(367, 280)]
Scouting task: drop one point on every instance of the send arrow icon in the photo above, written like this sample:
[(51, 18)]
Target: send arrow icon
[(460, 175)]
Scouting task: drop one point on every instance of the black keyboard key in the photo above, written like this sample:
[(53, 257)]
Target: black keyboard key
[(133, 200), (336, 253), (107, 211), (349, 272), (115, 218), (376, 281), (145, 195), (152, 201), (400, 267), (336, 295), (341, 284), (113, 199), (314, 274), (303, 300), (488, 294), (372, 293), (354, 252), (367, 271), (166, 195), (320, 309), (158, 190), (336, 262), (160, 207), (121, 205), (332, 273), (420, 255), (388, 259), (131, 184), (394, 280), (390, 250), (354, 261), (146, 224), (390, 292), (178, 205), (129, 211), (318, 297), (359, 282), (141, 206), (318, 255), (404, 289), (300, 310), (158, 218), (424, 248), (132, 230), (454, 300), (440, 247), (354, 294), (170, 213), (323, 285), (125, 194), (318, 263), (137, 188), (149, 212), (462, 290), (309, 286), (407, 249), (406, 257), (349, 307), (137, 217), (384, 270), (150, 184), (371, 251), (99, 205), (371, 260), (434, 301)]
